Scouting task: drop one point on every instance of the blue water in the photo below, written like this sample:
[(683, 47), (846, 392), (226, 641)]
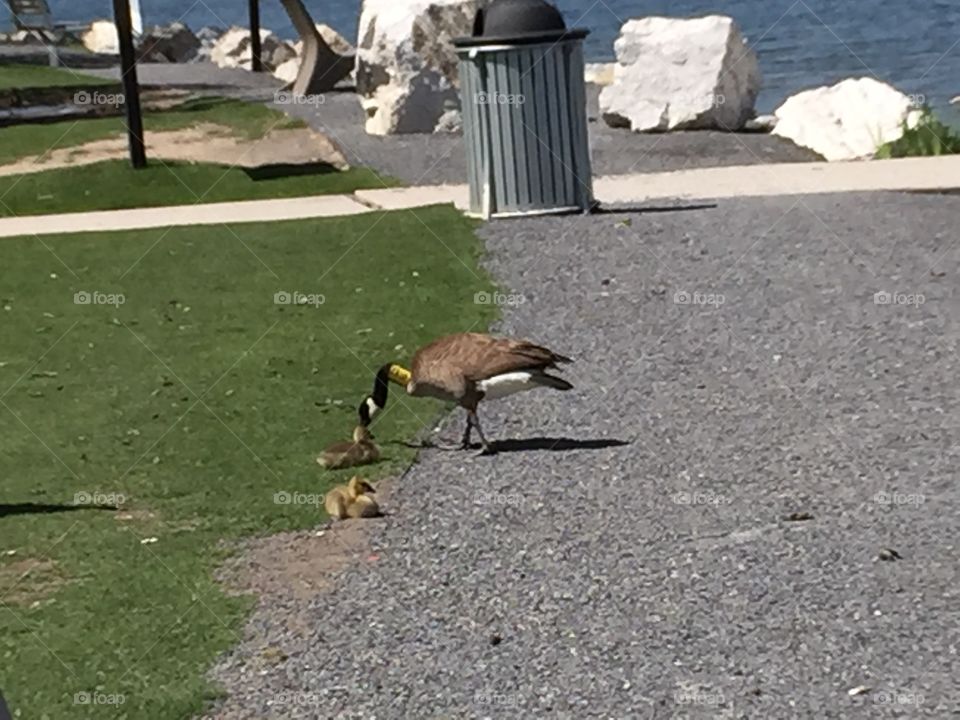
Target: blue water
[(913, 44)]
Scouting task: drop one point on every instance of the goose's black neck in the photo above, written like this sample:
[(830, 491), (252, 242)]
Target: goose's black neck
[(380, 388)]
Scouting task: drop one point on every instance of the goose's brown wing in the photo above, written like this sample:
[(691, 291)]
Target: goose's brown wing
[(471, 357)]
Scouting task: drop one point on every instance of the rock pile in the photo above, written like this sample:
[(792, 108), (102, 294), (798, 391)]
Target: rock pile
[(233, 50), (406, 67)]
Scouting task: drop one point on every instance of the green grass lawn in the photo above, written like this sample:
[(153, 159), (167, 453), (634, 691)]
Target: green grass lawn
[(30, 76), (113, 185), (196, 400), (249, 120)]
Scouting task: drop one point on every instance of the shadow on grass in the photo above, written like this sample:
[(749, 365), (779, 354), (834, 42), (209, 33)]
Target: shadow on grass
[(284, 170), (46, 509)]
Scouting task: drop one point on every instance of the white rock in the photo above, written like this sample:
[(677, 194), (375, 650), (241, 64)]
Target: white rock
[(681, 74), (337, 42), (761, 124), (406, 66), (599, 73), (208, 37), (848, 120), (171, 43), (287, 72), (232, 49), (20, 36), (101, 37), (209, 34), (450, 122)]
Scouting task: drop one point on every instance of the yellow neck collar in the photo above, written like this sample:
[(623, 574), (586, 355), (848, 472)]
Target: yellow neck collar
[(399, 375)]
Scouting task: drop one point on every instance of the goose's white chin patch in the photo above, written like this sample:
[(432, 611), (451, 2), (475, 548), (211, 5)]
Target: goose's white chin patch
[(372, 407), (506, 384)]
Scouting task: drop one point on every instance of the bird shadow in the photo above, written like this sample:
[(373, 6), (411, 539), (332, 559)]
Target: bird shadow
[(9, 510), (527, 445), (560, 444), (647, 209)]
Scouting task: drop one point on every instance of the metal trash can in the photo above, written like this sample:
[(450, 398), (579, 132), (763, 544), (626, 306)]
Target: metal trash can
[(524, 112)]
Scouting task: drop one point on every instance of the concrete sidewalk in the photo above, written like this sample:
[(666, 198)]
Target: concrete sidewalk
[(935, 173), (210, 214)]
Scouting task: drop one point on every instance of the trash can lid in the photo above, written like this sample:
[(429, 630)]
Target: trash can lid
[(518, 22)]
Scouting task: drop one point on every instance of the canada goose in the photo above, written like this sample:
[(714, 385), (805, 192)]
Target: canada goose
[(352, 500), (466, 368), (347, 454)]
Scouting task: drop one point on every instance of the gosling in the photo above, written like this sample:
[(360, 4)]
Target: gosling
[(352, 500), (361, 451)]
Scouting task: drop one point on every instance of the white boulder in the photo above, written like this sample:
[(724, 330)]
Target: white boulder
[(599, 73), (678, 74), (20, 36), (761, 124), (209, 34), (208, 37), (450, 122), (406, 66), (848, 120), (101, 37), (332, 38), (232, 49), (287, 72), (174, 43), (337, 42)]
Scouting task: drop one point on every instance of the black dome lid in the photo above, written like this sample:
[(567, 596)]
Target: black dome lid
[(518, 22), (511, 17)]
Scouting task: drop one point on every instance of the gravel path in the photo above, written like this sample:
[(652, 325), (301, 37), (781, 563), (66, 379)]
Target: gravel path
[(441, 158), (662, 578)]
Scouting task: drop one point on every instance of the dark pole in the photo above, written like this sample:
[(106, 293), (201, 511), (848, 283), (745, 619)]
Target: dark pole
[(256, 64), (131, 89)]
